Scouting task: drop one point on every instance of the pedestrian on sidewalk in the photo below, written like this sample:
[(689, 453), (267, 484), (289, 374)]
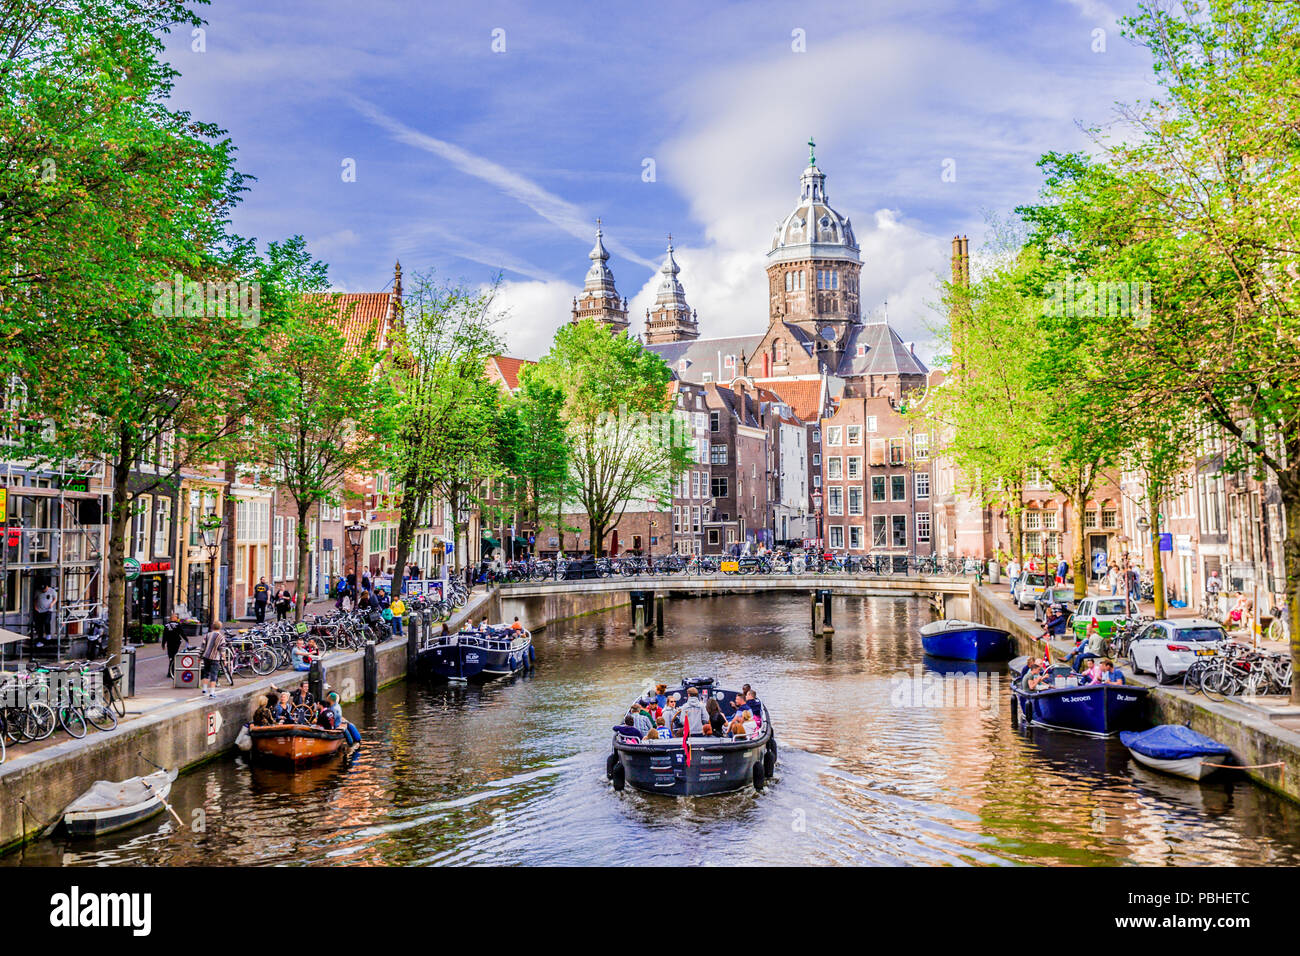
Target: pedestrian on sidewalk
[(1013, 573), (173, 637), (1112, 578), (283, 604), (1062, 569), (261, 595), (43, 612), (213, 645)]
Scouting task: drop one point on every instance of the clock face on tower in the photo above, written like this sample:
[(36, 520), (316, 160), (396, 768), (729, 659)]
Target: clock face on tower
[(828, 334)]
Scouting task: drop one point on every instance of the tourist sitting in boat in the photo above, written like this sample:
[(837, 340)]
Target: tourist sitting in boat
[(669, 712), (716, 721), (336, 708), (641, 720), (262, 716), (693, 712), (653, 734), (302, 696), (661, 725), (1105, 672), (1035, 677), (751, 702), (516, 626), (628, 728), (280, 709), (324, 716), (660, 691)]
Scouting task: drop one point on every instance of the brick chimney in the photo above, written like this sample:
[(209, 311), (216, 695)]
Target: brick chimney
[(961, 260)]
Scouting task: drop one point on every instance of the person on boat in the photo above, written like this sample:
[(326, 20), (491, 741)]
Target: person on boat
[(516, 626), (302, 697), (693, 710), (628, 728), (752, 704), (660, 699), (1035, 677), (662, 726), (652, 734), (669, 712), (640, 719), (1105, 672), (737, 727), (716, 721), (324, 716), (280, 708), (262, 716), (354, 735)]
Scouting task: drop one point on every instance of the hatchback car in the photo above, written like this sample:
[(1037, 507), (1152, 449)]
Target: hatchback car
[(1168, 648), (1028, 587), (1107, 610), (1062, 594)]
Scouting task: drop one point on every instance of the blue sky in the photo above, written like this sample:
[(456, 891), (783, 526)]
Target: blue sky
[(472, 160)]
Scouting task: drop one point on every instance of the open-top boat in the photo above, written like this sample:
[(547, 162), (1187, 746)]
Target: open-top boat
[(296, 743), (479, 654), (1101, 710), (965, 641), (698, 765), (1175, 749), (109, 806)]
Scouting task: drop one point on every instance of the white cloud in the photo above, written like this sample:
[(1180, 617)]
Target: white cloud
[(533, 311)]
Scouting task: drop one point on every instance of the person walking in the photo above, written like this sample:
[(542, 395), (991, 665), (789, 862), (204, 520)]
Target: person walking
[(261, 595), (283, 604), (1112, 578), (1062, 569), (1212, 589), (1013, 573), (43, 612), (213, 645), (172, 638)]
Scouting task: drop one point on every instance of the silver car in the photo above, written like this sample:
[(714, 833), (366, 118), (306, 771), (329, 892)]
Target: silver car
[(1167, 648)]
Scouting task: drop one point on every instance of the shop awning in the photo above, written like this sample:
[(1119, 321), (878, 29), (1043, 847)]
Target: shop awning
[(491, 542)]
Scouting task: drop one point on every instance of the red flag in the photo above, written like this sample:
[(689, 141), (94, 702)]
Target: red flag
[(1047, 654), (686, 738)]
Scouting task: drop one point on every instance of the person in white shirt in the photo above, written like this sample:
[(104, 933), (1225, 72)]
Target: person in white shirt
[(43, 612), (1013, 573)]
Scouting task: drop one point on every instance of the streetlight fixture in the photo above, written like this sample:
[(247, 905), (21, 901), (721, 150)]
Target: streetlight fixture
[(355, 531), (210, 528)]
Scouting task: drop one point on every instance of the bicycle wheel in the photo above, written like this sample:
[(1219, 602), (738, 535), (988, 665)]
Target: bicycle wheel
[(115, 700), (1212, 685), (263, 661), (71, 720), (1192, 679), (101, 717), (41, 721), (13, 719)]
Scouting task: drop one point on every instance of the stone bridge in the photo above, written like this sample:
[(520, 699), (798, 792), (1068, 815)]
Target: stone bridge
[(538, 603)]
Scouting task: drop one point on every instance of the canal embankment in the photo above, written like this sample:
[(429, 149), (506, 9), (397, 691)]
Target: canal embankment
[(1262, 733), (36, 786)]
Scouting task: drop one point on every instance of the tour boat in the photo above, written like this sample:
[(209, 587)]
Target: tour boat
[(296, 743), (708, 766), (109, 806), (486, 653), (1176, 749), (965, 641), (1101, 710)]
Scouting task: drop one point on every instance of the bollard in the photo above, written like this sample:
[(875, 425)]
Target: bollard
[(824, 595), (659, 614), (638, 621), (819, 621), (316, 679), (128, 654), (370, 671), (414, 629)]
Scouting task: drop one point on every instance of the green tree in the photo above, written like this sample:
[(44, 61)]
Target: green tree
[(624, 443), (534, 449), (324, 407)]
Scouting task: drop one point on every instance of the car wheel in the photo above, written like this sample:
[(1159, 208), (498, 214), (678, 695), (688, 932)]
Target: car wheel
[(1132, 657), (1161, 676)]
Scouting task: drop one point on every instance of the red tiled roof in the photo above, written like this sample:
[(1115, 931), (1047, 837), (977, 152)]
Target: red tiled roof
[(359, 314), (509, 368), (803, 396)]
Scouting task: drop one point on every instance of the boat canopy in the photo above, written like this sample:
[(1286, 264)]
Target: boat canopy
[(1171, 742)]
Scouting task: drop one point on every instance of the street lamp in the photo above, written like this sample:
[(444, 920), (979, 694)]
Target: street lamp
[(355, 531), (210, 528)]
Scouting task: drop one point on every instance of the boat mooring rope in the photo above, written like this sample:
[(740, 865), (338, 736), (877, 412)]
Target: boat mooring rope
[(1239, 766)]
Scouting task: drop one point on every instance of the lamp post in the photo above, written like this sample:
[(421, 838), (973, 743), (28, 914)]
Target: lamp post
[(210, 528), (355, 531)]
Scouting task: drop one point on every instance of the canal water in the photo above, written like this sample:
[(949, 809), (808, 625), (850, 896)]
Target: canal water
[(883, 760)]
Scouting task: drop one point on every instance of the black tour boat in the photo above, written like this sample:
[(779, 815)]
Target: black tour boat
[(701, 765)]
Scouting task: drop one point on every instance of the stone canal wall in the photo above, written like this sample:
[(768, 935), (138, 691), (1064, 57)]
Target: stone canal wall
[(37, 785), (1252, 731)]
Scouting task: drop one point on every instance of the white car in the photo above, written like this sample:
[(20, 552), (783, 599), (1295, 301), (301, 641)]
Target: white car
[(1168, 648), (1028, 588)]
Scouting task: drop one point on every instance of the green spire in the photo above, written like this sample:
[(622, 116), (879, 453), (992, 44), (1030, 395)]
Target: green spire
[(812, 160)]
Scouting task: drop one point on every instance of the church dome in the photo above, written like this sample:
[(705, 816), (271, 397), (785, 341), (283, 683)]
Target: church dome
[(813, 229)]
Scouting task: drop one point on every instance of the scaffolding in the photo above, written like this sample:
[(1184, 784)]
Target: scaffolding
[(43, 518)]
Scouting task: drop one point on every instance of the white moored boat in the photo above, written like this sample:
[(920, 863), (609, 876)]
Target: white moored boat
[(1181, 751), (114, 805)]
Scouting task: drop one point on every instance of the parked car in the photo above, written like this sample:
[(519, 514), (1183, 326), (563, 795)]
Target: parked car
[(1107, 610), (1168, 648), (1028, 587), (1060, 594)]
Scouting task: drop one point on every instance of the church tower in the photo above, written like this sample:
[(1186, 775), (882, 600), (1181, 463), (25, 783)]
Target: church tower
[(599, 299), (671, 319), (813, 270)]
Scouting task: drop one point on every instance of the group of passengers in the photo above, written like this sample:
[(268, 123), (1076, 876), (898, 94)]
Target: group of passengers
[(1103, 671), (484, 628), (664, 716), (301, 707)]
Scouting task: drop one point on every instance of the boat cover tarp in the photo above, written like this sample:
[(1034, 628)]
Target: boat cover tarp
[(116, 794), (1171, 742)]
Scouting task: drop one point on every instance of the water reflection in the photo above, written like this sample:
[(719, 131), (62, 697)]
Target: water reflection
[(870, 772)]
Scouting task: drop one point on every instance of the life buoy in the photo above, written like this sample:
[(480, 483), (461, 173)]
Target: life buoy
[(760, 778)]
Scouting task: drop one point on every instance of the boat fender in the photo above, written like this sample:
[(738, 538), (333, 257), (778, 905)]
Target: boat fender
[(619, 777), (769, 758), (532, 655), (244, 741), (610, 762), (760, 778)]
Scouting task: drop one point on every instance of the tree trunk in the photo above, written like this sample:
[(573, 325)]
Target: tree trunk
[(1078, 501), (119, 526), (1290, 488), (1157, 566), (302, 562)]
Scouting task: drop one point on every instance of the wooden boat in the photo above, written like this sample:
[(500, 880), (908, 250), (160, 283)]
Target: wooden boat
[(1100, 710), (109, 806), (965, 641), (1175, 749), (710, 765), (296, 743)]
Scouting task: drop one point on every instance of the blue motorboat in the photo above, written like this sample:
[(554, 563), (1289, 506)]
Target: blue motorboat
[(1173, 748), (1101, 710), (479, 654), (965, 641)]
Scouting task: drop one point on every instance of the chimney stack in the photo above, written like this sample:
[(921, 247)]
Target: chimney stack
[(961, 260)]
